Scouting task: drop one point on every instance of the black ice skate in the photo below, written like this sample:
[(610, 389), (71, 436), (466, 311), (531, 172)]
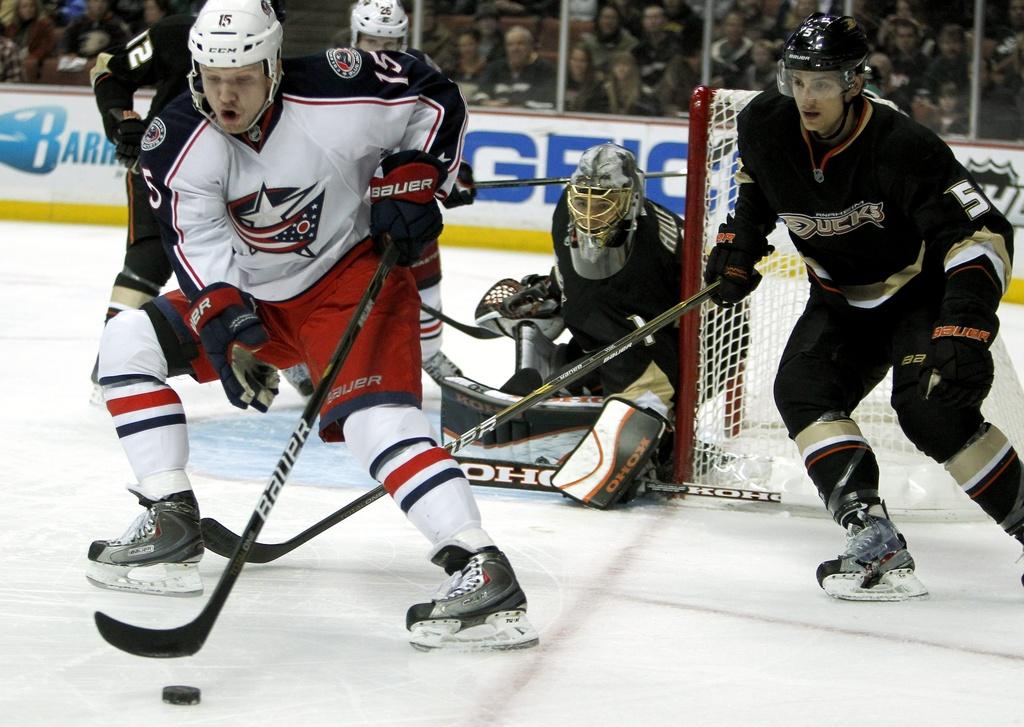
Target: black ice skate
[(159, 554), (439, 366), (480, 607), (875, 567)]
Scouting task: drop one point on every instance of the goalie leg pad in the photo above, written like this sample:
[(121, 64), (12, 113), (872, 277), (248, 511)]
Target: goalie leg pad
[(603, 466)]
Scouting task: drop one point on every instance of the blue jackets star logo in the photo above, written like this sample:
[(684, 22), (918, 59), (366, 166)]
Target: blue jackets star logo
[(279, 220)]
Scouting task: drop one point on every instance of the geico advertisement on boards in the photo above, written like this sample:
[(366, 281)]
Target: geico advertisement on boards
[(52, 149)]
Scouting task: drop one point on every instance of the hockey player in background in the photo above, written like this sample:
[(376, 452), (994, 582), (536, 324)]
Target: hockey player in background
[(156, 58), (907, 260), (616, 258), (383, 25), (258, 180)]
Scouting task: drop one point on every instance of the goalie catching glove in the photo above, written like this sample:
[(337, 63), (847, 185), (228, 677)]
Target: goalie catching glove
[(537, 299), (225, 320), (402, 206), (959, 370)]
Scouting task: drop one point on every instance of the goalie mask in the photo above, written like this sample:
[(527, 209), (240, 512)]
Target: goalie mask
[(605, 197)]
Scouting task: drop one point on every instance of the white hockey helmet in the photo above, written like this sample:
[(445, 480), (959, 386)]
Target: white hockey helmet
[(234, 34), (605, 198), (381, 19)]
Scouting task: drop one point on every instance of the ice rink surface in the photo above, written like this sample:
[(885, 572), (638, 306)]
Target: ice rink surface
[(658, 613)]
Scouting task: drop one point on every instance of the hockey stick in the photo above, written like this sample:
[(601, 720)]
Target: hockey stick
[(221, 540), (474, 331), (500, 183), (188, 639)]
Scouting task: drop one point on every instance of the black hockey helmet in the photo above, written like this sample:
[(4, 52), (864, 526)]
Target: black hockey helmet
[(824, 43)]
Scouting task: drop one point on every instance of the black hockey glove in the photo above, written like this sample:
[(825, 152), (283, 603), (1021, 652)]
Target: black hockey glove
[(959, 369), (402, 206), (225, 320), (540, 297), (464, 191), (128, 133), (733, 266)]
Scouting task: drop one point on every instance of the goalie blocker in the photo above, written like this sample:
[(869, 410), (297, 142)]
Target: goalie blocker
[(604, 466)]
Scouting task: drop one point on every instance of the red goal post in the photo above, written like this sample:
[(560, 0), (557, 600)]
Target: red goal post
[(728, 432)]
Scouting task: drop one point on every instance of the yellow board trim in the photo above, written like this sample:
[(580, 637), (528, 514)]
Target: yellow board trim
[(453, 235)]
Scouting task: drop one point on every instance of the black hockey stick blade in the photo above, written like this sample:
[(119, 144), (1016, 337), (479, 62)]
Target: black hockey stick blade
[(222, 541), (474, 331), (188, 639), (225, 538)]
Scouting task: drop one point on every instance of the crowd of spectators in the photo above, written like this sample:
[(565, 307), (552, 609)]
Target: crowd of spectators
[(634, 57)]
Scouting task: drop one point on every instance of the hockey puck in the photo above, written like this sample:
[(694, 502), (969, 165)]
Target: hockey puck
[(181, 695)]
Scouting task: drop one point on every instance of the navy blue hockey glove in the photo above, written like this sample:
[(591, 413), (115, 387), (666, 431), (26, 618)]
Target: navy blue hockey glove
[(225, 320), (733, 266), (959, 369), (464, 190), (402, 206), (128, 133)]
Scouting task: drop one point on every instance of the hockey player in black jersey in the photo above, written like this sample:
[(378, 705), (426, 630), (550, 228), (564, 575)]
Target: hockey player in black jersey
[(617, 260), (907, 260)]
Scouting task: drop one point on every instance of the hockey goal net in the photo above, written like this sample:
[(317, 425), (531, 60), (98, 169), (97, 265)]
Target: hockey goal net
[(729, 433)]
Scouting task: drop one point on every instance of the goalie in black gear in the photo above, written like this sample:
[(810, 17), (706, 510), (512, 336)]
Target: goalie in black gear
[(616, 267), (907, 260)]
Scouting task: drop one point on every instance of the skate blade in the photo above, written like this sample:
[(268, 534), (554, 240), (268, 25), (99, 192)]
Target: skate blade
[(501, 631), (161, 579), (899, 584)]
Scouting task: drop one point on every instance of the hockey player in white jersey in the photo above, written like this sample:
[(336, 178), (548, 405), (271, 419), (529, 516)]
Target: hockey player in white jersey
[(258, 180), (378, 25)]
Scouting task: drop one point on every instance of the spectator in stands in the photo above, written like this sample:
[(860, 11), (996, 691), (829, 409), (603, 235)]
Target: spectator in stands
[(951, 62), (908, 62), (730, 55), (34, 34), (998, 115), (682, 75), (470, 64), (683, 23), (584, 85), (905, 10), (7, 11), (629, 12), (492, 40), (64, 12), (154, 10), (523, 78), (791, 14), (760, 74), (625, 91), (880, 82), (10, 62), (436, 41), (130, 11), (948, 115), (1009, 45), (93, 33), (757, 23), (609, 37), (655, 48)]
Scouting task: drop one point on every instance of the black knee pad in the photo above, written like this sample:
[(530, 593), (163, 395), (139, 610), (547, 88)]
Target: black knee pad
[(936, 430), (146, 267)]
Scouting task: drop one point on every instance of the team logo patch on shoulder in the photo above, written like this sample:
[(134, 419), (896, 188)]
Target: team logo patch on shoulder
[(346, 62), (156, 132)]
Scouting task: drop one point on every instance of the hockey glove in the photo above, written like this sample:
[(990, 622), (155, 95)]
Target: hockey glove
[(733, 266), (128, 133), (537, 298), (464, 191), (225, 320), (402, 206), (959, 369)]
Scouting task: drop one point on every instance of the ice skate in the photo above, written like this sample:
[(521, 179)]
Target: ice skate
[(875, 567), (298, 376), (481, 606), (159, 553), (440, 366)]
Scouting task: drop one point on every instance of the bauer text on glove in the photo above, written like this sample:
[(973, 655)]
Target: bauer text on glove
[(225, 320)]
